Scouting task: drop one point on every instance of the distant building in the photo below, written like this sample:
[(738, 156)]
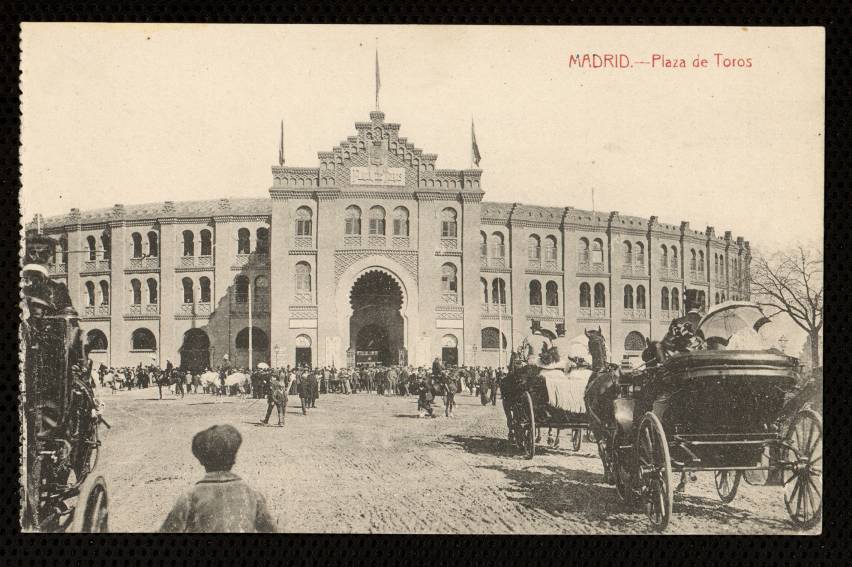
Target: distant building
[(376, 254)]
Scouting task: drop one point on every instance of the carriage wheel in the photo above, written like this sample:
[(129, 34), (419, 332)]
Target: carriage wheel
[(655, 471), (803, 477), (727, 483), (525, 425), (576, 439), (621, 475), (91, 514)]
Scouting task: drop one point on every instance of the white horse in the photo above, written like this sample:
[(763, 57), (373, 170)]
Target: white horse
[(210, 381), (237, 382)]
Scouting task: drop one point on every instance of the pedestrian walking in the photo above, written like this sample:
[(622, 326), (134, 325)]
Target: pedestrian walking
[(276, 397)]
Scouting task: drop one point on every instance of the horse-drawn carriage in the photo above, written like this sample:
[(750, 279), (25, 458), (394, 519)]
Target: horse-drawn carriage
[(544, 388), (60, 413), (717, 409)]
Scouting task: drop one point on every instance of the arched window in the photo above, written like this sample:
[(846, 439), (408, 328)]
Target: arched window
[(261, 286), (483, 285), (137, 244), (400, 221), (550, 249), (534, 247), (353, 220), (63, 249), (675, 299), (717, 298), (723, 298), (143, 339), (675, 265), (626, 253), (700, 261), (303, 277), (498, 291), (92, 247), (449, 224), (153, 296), (188, 295), (262, 246), (188, 243), (96, 340), (664, 299), (241, 289), (498, 247), (535, 292), (204, 284), (243, 241), (135, 292), (206, 243), (585, 295), (628, 297), (597, 251), (153, 244), (90, 293), (483, 245), (664, 257), (491, 338), (583, 250), (634, 341), (106, 244), (304, 221), (600, 295), (693, 261), (259, 339), (639, 254), (552, 298), (377, 220), (104, 292), (449, 283), (640, 297)]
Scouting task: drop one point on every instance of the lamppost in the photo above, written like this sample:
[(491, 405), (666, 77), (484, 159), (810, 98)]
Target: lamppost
[(783, 342), (474, 348), (212, 357), (276, 350)]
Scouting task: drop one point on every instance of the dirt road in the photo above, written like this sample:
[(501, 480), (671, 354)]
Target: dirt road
[(365, 463)]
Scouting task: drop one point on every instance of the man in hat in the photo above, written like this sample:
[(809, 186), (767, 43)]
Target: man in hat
[(683, 333), (276, 396), (221, 501), (52, 295)]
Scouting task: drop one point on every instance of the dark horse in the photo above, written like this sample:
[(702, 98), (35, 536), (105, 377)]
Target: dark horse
[(600, 392)]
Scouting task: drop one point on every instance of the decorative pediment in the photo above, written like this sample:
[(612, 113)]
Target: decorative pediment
[(376, 157)]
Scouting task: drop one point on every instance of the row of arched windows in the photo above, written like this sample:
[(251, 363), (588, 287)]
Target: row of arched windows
[(103, 287), (696, 261), (720, 298), (206, 242), (591, 252), (669, 301), (92, 246), (668, 257), (188, 285), (535, 248), (586, 295), (497, 247), (261, 242), (241, 288), (136, 291), (495, 293), (551, 293), (640, 297), (152, 240), (632, 253)]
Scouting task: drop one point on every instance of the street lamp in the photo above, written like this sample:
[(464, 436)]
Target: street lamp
[(474, 348), (276, 350), (783, 342)]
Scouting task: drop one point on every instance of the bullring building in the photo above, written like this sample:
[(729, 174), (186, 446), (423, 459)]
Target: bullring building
[(375, 254)]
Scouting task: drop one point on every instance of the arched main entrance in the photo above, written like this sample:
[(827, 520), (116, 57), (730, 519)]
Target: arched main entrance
[(195, 350), (376, 326)]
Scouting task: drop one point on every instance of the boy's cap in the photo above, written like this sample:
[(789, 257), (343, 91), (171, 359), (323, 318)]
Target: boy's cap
[(216, 447)]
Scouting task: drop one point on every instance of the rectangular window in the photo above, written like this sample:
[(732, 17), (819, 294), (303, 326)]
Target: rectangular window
[(353, 226), (377, 226), (303, 227), (448, 229), (400, 227)]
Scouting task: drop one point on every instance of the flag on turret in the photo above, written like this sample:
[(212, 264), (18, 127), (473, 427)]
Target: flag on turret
[(281, 146), (474, 147)]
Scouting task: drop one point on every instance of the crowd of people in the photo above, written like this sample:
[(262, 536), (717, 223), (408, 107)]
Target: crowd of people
[(309, 383)]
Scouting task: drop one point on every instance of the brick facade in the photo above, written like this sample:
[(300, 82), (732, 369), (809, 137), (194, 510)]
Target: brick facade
[(301, 258)]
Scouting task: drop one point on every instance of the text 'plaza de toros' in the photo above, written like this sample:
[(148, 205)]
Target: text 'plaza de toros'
[(375, 255)]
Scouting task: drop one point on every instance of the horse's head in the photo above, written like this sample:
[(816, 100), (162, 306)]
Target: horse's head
[(597, 347)]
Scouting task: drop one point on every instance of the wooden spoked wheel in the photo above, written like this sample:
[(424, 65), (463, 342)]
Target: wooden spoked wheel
[(727, 483), (802, 474), (524, 420), (92, 514), (654, 471), (576, 439)]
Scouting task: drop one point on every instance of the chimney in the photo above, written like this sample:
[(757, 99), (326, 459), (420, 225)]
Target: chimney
[(74, 215), (118, 210), (169, 207), (224, 205)]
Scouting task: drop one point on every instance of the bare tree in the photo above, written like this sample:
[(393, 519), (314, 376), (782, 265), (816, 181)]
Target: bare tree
[(791, 283)]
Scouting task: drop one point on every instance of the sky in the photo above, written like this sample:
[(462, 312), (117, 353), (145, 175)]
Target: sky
[(133, 113)]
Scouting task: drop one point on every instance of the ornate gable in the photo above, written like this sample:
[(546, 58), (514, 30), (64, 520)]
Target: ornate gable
[(377, 158)]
